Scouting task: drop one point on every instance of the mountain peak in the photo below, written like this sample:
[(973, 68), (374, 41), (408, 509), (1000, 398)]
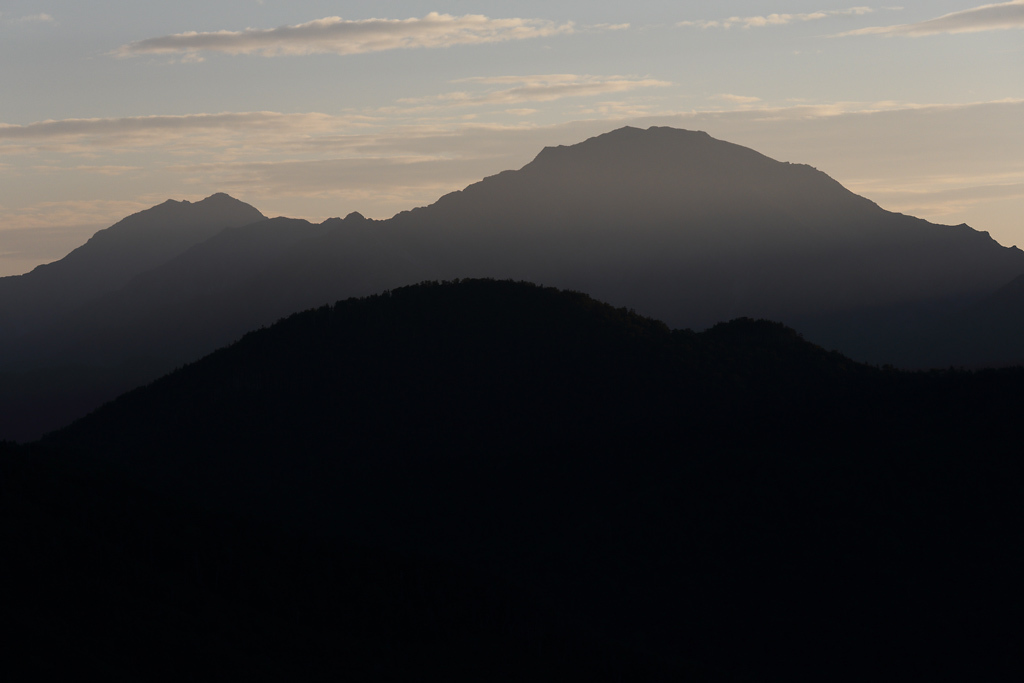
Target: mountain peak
[(215, 200), (657, 149), (220, 198), (114, 255)]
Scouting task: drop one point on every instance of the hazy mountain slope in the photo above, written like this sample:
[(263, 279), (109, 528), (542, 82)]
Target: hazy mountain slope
[(175, 312), (695, 230), (50, 371), (689, 229), (113, 256), (737, 498), (989, 332), (673, 223), (167, 316)]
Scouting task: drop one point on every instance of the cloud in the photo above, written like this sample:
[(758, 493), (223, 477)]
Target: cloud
[(607, 27), (956, 196), (135, 141), (334, 35), (1004, 15), (240, 132), (615, 110), (858, 11), (737, 99), (131, 124), (537, 88), (338, 175), (56, 217), (110, 169), (36, 18), (773, 19)]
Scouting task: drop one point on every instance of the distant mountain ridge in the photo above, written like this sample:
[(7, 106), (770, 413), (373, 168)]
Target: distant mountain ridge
[(694, 230), (675, 224), (45, 314), (111, 257)]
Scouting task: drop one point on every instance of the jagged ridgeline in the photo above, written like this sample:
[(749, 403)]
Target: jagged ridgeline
[(676, 224), (737, 501)]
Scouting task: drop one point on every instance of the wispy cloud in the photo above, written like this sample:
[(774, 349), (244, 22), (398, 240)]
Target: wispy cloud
[(737, 99), (1004, 15), (338, 176), (615, 110), (110, 170), (334, 35), (127, 141), (99, 126), (35, 18), (808, 112), (607, 27), (773, 19), (536, 88), (50, 217)]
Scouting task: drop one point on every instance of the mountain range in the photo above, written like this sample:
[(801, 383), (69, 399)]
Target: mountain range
[(672, 223), (324, 471)]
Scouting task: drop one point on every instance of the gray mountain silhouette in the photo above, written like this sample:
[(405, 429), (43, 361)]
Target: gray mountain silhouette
[(694, 230), (987, 333), (673, 223), (38, 396), (113, 256)]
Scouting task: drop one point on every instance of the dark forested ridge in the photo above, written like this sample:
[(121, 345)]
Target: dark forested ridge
[(676, 224), (103, 579), (735, 504)]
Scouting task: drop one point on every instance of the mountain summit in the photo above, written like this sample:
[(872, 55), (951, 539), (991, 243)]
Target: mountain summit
[(114, 255), (694, 230), (48, 311)]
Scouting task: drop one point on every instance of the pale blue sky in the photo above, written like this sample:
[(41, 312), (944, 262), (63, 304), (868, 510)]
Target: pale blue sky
[(313, 109)]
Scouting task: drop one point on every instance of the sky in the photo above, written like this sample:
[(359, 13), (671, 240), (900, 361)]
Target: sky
[(313, 109)]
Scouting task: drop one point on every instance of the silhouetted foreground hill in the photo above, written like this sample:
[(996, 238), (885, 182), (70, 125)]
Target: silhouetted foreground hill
[(674, 223), (733, 504), (104, 580)]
